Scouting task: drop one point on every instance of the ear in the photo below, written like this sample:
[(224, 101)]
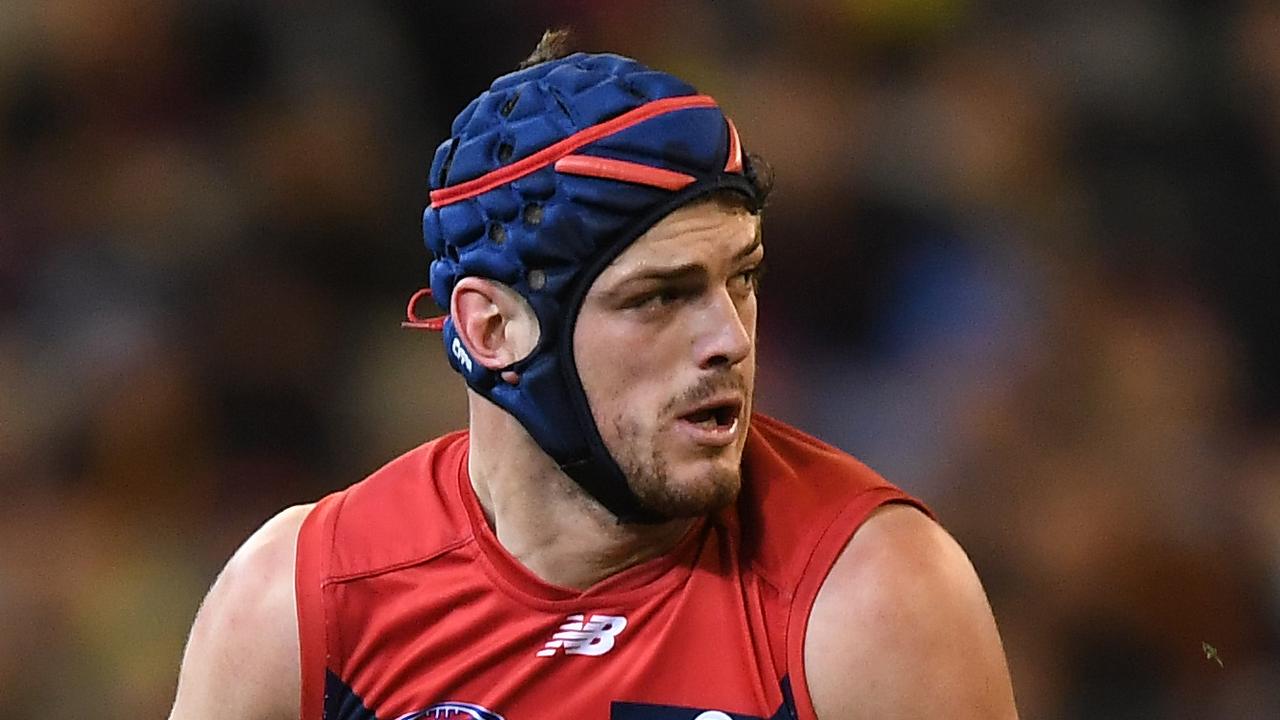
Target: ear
[(496, 324)]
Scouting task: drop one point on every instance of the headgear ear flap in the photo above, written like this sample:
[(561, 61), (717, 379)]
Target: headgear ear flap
[(549, 176)]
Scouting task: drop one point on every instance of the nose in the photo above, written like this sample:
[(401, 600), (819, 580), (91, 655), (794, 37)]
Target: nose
[(726, 334)]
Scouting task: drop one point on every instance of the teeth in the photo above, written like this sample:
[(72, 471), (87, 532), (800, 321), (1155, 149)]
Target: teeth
[(712, 418)]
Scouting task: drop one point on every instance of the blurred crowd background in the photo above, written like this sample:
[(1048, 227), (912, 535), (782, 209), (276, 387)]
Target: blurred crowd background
[(1024, 260)]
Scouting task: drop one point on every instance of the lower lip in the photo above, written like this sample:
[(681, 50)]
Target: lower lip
[(716, 436)]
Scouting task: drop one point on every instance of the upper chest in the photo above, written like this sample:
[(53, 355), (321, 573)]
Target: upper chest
[(449, 635)]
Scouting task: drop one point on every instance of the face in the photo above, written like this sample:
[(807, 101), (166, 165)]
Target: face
[(666, 345)]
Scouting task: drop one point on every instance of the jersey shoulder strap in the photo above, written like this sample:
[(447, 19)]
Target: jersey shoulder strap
[(400, 515), (802, 500)]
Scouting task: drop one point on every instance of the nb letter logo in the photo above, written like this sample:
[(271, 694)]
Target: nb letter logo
[(580, 636), (461, 353)]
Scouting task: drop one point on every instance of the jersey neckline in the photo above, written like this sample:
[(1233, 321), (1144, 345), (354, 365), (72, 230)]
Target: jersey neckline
[(638, 581)]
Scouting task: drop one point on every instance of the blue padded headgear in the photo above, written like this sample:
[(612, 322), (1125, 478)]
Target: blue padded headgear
[(548, 176)]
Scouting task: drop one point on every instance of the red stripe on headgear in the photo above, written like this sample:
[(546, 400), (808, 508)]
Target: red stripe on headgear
[(734, 164), (623, 170), (551, 153)]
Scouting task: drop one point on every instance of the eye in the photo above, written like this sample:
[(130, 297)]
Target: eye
[(659, 298), (749, 279), (668, 294)]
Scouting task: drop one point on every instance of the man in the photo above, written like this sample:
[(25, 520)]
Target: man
[(616, 536)]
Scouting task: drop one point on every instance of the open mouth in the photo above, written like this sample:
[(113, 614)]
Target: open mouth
[(719, 416)]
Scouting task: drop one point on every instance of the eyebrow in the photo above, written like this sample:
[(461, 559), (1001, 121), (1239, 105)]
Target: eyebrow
[(757, 242), (689, 270)]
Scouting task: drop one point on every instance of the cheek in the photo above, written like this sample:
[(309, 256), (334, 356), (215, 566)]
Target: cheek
[(620, 367)]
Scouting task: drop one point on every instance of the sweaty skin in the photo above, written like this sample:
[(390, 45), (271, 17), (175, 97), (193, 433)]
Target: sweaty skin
[(669, 324)]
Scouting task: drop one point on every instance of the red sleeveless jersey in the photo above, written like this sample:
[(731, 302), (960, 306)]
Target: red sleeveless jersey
[(409, 608)]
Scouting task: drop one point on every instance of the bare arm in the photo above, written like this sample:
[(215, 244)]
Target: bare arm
[(242, 657), (902, 629)]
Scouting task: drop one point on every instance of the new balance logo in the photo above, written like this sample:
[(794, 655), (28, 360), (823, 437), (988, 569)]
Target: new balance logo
[(580, 636)]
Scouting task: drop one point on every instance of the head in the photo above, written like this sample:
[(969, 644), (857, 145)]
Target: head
[(665, 348), (564, 187)]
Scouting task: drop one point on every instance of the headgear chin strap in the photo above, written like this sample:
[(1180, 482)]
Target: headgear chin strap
[(549, 176)]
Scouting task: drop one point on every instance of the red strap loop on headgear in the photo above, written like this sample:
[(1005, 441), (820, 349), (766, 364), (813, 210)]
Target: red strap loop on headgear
[(421, 323)]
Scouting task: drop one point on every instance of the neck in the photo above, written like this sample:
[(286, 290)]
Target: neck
[(542, 517)]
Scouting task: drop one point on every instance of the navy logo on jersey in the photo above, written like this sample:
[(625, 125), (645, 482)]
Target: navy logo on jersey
[(644, 711), (452, 711)]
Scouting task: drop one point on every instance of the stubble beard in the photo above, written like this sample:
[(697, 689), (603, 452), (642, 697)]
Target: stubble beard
[(647, 469)]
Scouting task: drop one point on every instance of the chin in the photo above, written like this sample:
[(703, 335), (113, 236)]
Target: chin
[(702, 488), (675, 478)]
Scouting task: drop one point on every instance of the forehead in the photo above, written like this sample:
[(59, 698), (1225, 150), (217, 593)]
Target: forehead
[(707, 232)]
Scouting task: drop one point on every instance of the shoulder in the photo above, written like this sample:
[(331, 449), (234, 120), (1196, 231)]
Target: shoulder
[(406, 510), (242, 655), (901, 628), (780, 459), (801, 501)]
